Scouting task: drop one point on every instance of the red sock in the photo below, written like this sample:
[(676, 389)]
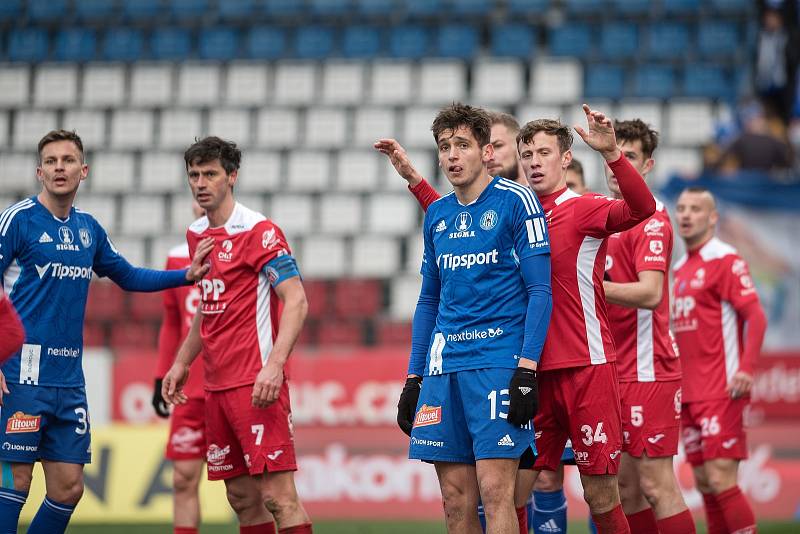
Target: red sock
[(714, 517), (739, 516), (305, 528), (522, 517), (263, 528), (612, 522), (681, 523), (185, 530), (643, 522)]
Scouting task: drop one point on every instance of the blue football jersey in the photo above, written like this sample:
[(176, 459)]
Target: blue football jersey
[(475, 251), (47, 264)]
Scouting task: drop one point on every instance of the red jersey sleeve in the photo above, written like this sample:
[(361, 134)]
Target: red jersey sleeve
[(652, 250), (265, 242), (425, 194), (169, 335), (12, 333), (737, 287)]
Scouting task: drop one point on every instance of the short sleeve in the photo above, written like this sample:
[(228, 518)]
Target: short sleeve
[(265, 242), (528, 225), (652, 245), (429, 265), (735, 283)]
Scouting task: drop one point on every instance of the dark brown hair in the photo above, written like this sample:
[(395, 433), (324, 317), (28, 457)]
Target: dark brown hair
[(636, 129), (576, 166), (499, 117), (211, 148), (60, 135), (550, 127), (456, 115)]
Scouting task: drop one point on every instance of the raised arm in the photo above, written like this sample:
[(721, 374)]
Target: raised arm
[(419, 187)]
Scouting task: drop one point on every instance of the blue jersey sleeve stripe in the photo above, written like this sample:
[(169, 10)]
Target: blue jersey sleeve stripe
[(525, 191), (8, 215), (520, 195)]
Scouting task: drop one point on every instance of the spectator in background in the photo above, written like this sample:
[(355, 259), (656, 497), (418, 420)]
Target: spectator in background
[(777, 59), (757, 148), (575, 178)]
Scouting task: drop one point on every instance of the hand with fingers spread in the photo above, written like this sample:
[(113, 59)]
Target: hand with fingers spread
[(399, 159), (174, 380), (267, 387), (198, 269), (600, 135), (740, 385)]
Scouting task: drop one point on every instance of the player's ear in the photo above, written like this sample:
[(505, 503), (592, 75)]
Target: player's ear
[(39, 173), (232, 177), (488, 153), (648, 165), (84, 171), (566, 159)]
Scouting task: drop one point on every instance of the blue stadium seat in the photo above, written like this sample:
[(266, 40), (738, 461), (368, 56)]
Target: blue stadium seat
[(528, 7), (29, 44), (423, 8), (632, 7), (668, 40), (236, 9), (314, 42), (733, 7), (76, 44), (46, 10), (479, 8), (220, 44), (604, 81), (654, 81), (707, 81), (188, 9), (513, 40), (380, 8), (457, 41), (94, 10), (586, 7), (170, 44), (573, 39), (10, 10), (266, 42), (141, 9), (361, 42), (619, 40), (285, 8), (718, 39), (683, 7), (123, 44), (409, 41), (329, 8)]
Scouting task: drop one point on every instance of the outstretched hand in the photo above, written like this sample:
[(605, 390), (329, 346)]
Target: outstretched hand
[(399, 160), (198, 269), (600, 135)]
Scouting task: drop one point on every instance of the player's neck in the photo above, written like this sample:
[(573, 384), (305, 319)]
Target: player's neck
[(466, 194), (219, 216), (59, 206), (695, 244)]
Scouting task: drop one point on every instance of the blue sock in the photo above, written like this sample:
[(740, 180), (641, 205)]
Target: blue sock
[(549, 512), (52, 517), (482, 517), (11, 502), (592, 527)]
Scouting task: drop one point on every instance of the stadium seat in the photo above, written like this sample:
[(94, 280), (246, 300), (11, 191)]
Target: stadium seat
[(75, 45), (574, 114), (28, 44), (146, 306), (189, 9), (357, 298), (293, 213), (266, 42), (326, 128), (649, 111), (178, 128), (414, 250), (162, 172), (361, 42), (424, 161), (393, 333), (142, 215), (557, 81), (5, 128), (130, 335), (632, 7), (403, 294), (246, 84), (654, 81), (417, 127), (278, 128), (442, 81), (103, 85), (40, 11), (342, 333), (90, 125), (391, 214), (314, 42), (528, 7), (571, 40), (673, 160), (586, 7), (470, 8), (181, 217), (30, 125), (10, 11), (423, 8), (220, 44), (231, 124), (151, 84), (94, 10), (323, 257), (376, 256), (101, 207), (105, 302), (123, 44), (513, 40), (330, 8), (708, 81), (340, 214), (112, 172), (137, 10), (306, 171), (371, 124), (318, 297), (131, 129), (198, 85), (14, 85), (681, 7), (717, 39), (733, 7), (619, 41), (236, 10), (55, 86), (376, 8), (295, 83), (498, 82), (668, 40), (689, 123), (260, 171), (343, 82), (357, 170), (457, 41), (409, 42), (170, 44), (529, 112), (604, 81), (391, 83), (18, 170), (285, 8)]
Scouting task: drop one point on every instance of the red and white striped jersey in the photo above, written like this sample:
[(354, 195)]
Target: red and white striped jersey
[(240, 310), (645, 351), (712, 284)]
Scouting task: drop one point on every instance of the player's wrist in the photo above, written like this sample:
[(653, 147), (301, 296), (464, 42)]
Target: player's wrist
[(611, 155), (527, 363)]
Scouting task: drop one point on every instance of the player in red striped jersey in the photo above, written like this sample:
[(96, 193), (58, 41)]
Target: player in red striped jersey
[(649, 372), (12, 335), (719, 326)]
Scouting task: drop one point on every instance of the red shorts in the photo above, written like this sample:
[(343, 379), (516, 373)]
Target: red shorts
[(187, 431), (243, 439), (714, 429), (582, 404), (651, 417)]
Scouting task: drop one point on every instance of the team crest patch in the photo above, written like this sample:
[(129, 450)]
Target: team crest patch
[(428, 415), (656, 246), (85, 237), (20, 423), (488, 219)]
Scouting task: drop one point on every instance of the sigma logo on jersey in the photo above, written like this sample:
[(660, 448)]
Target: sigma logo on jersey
[(472, 335), (428, 415), (67, 240), (225, 254), (488, 219), (85, 237), (463, 223), (20, 423), (654, 227), (454, 262), (441, 227), (62, 271)]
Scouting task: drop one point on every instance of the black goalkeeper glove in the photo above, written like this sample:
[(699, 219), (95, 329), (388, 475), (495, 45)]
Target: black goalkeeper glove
[(159, 404), (407, 405), (523, 396)]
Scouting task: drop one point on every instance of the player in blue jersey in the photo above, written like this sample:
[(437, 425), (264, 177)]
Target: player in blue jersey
[(478, 329), (48, 252)]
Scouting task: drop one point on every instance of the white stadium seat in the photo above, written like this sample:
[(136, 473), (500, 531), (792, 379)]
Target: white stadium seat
[(89, 124), (414, 248), (357, 170), (246, 84), (260, 172), (161, 246), (163, 172), (375, 256), (231, 124), (179, 128), (326, 128), (323, 257), (689, 122), (181, 214), (442, 81), (14, 85), (531, 112), (278, 128), (649, 111), (424, 160), (143, 215), (308, 170), (392, 214), (498, 82), (687, 161), (557, 81), (132, 249), (103, 86), (343, 83), (18, 171), (391, 83), (101, 207), (404, 292), (55, 86), (293, 213), (295, 83), (417, 127), (575, 116), (30, 126), (151, 84), (111, 172), (5, 124), (340, 214), (371, 124), (131, 129), (198, 85)]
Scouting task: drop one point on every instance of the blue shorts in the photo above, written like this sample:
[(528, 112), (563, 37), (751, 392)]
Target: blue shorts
[(461, 418), (45, 423), (568, 457)]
